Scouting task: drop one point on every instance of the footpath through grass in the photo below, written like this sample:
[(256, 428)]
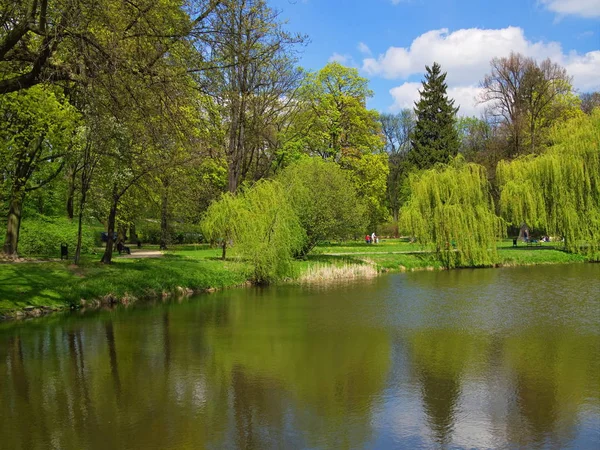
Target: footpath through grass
[(58, 284)]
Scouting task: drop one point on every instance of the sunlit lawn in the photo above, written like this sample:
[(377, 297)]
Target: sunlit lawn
[(360, 246), (54, 283), (387, 253)]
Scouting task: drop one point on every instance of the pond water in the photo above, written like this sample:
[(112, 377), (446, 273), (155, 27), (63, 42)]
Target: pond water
[(489, 358)]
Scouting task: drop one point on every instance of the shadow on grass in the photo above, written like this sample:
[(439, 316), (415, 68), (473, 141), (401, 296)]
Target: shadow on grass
[(25, 284), (533, 247)]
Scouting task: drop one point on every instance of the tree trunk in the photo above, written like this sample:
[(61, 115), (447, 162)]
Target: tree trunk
[(132, 233), (80, 223), (108, 251), (396, 230), (233, 157), (224, 245), (71, 196), (79, 233), (532, 131), (164, 222), (13, 225), (236, 143)]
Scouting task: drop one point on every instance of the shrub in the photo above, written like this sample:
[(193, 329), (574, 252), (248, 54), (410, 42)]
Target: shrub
[(42, 236), (178, 233), (325, 201)]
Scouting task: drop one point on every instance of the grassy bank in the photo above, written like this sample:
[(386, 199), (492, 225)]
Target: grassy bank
[(57, 284)]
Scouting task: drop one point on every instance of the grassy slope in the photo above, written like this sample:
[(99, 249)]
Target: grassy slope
[(58, 284)]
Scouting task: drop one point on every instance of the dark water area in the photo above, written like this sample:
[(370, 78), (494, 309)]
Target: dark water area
[(489, 358)]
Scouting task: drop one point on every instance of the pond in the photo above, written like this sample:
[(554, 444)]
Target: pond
[(488, 358)]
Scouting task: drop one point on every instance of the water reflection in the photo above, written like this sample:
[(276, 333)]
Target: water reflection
[(440, 360)]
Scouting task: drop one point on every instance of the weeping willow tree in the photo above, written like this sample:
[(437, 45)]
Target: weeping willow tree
[(262, 224), (269, 231), (220, 222), (559, 190), (450, 209)]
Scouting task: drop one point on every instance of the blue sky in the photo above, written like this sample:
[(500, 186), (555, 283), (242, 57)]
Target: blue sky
[(390, 41)]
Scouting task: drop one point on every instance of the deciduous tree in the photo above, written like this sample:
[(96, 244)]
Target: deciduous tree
[(35, 138), (336, 122), (397, 130), (325, 199), (253, 81), (527, 98), (589, 101), (49, 41)]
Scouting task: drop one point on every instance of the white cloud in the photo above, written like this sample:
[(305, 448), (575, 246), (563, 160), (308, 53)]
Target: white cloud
[(407, 94), (465, 55), (364, 48), (583, 8), (466, 98), (342, 59), (585, 70), (585, 34)]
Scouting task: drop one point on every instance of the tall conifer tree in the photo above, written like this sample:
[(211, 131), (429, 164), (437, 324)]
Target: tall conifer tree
[(434, 138)]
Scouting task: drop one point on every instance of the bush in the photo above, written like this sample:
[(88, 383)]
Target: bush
[(387, 229), (42, 236), (178, 233), (325, 200)]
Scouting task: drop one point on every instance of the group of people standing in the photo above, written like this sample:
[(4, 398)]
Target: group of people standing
[(371, 239)]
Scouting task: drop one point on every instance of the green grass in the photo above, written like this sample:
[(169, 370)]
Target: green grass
[(384, 246), (58, 284), (398, 254)]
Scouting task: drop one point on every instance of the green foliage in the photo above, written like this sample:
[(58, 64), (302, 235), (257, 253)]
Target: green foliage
[(451, 208), (179, 233), (559, 190), (92, 39), (335, 121), (37, 126), (474, 135), (370, 173), (434, 138), (262, 224), (397, 130), (43, 236), (325, 200), (222, 220), (269, 232)]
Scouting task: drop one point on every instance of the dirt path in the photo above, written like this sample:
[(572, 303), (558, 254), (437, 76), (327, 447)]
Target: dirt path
[(144, 254), (407, 252)]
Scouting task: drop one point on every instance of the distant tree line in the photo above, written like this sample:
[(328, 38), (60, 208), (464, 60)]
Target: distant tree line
[(181, 118)]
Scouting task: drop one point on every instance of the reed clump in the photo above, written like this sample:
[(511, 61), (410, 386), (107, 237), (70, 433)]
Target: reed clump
[(324, 273)]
